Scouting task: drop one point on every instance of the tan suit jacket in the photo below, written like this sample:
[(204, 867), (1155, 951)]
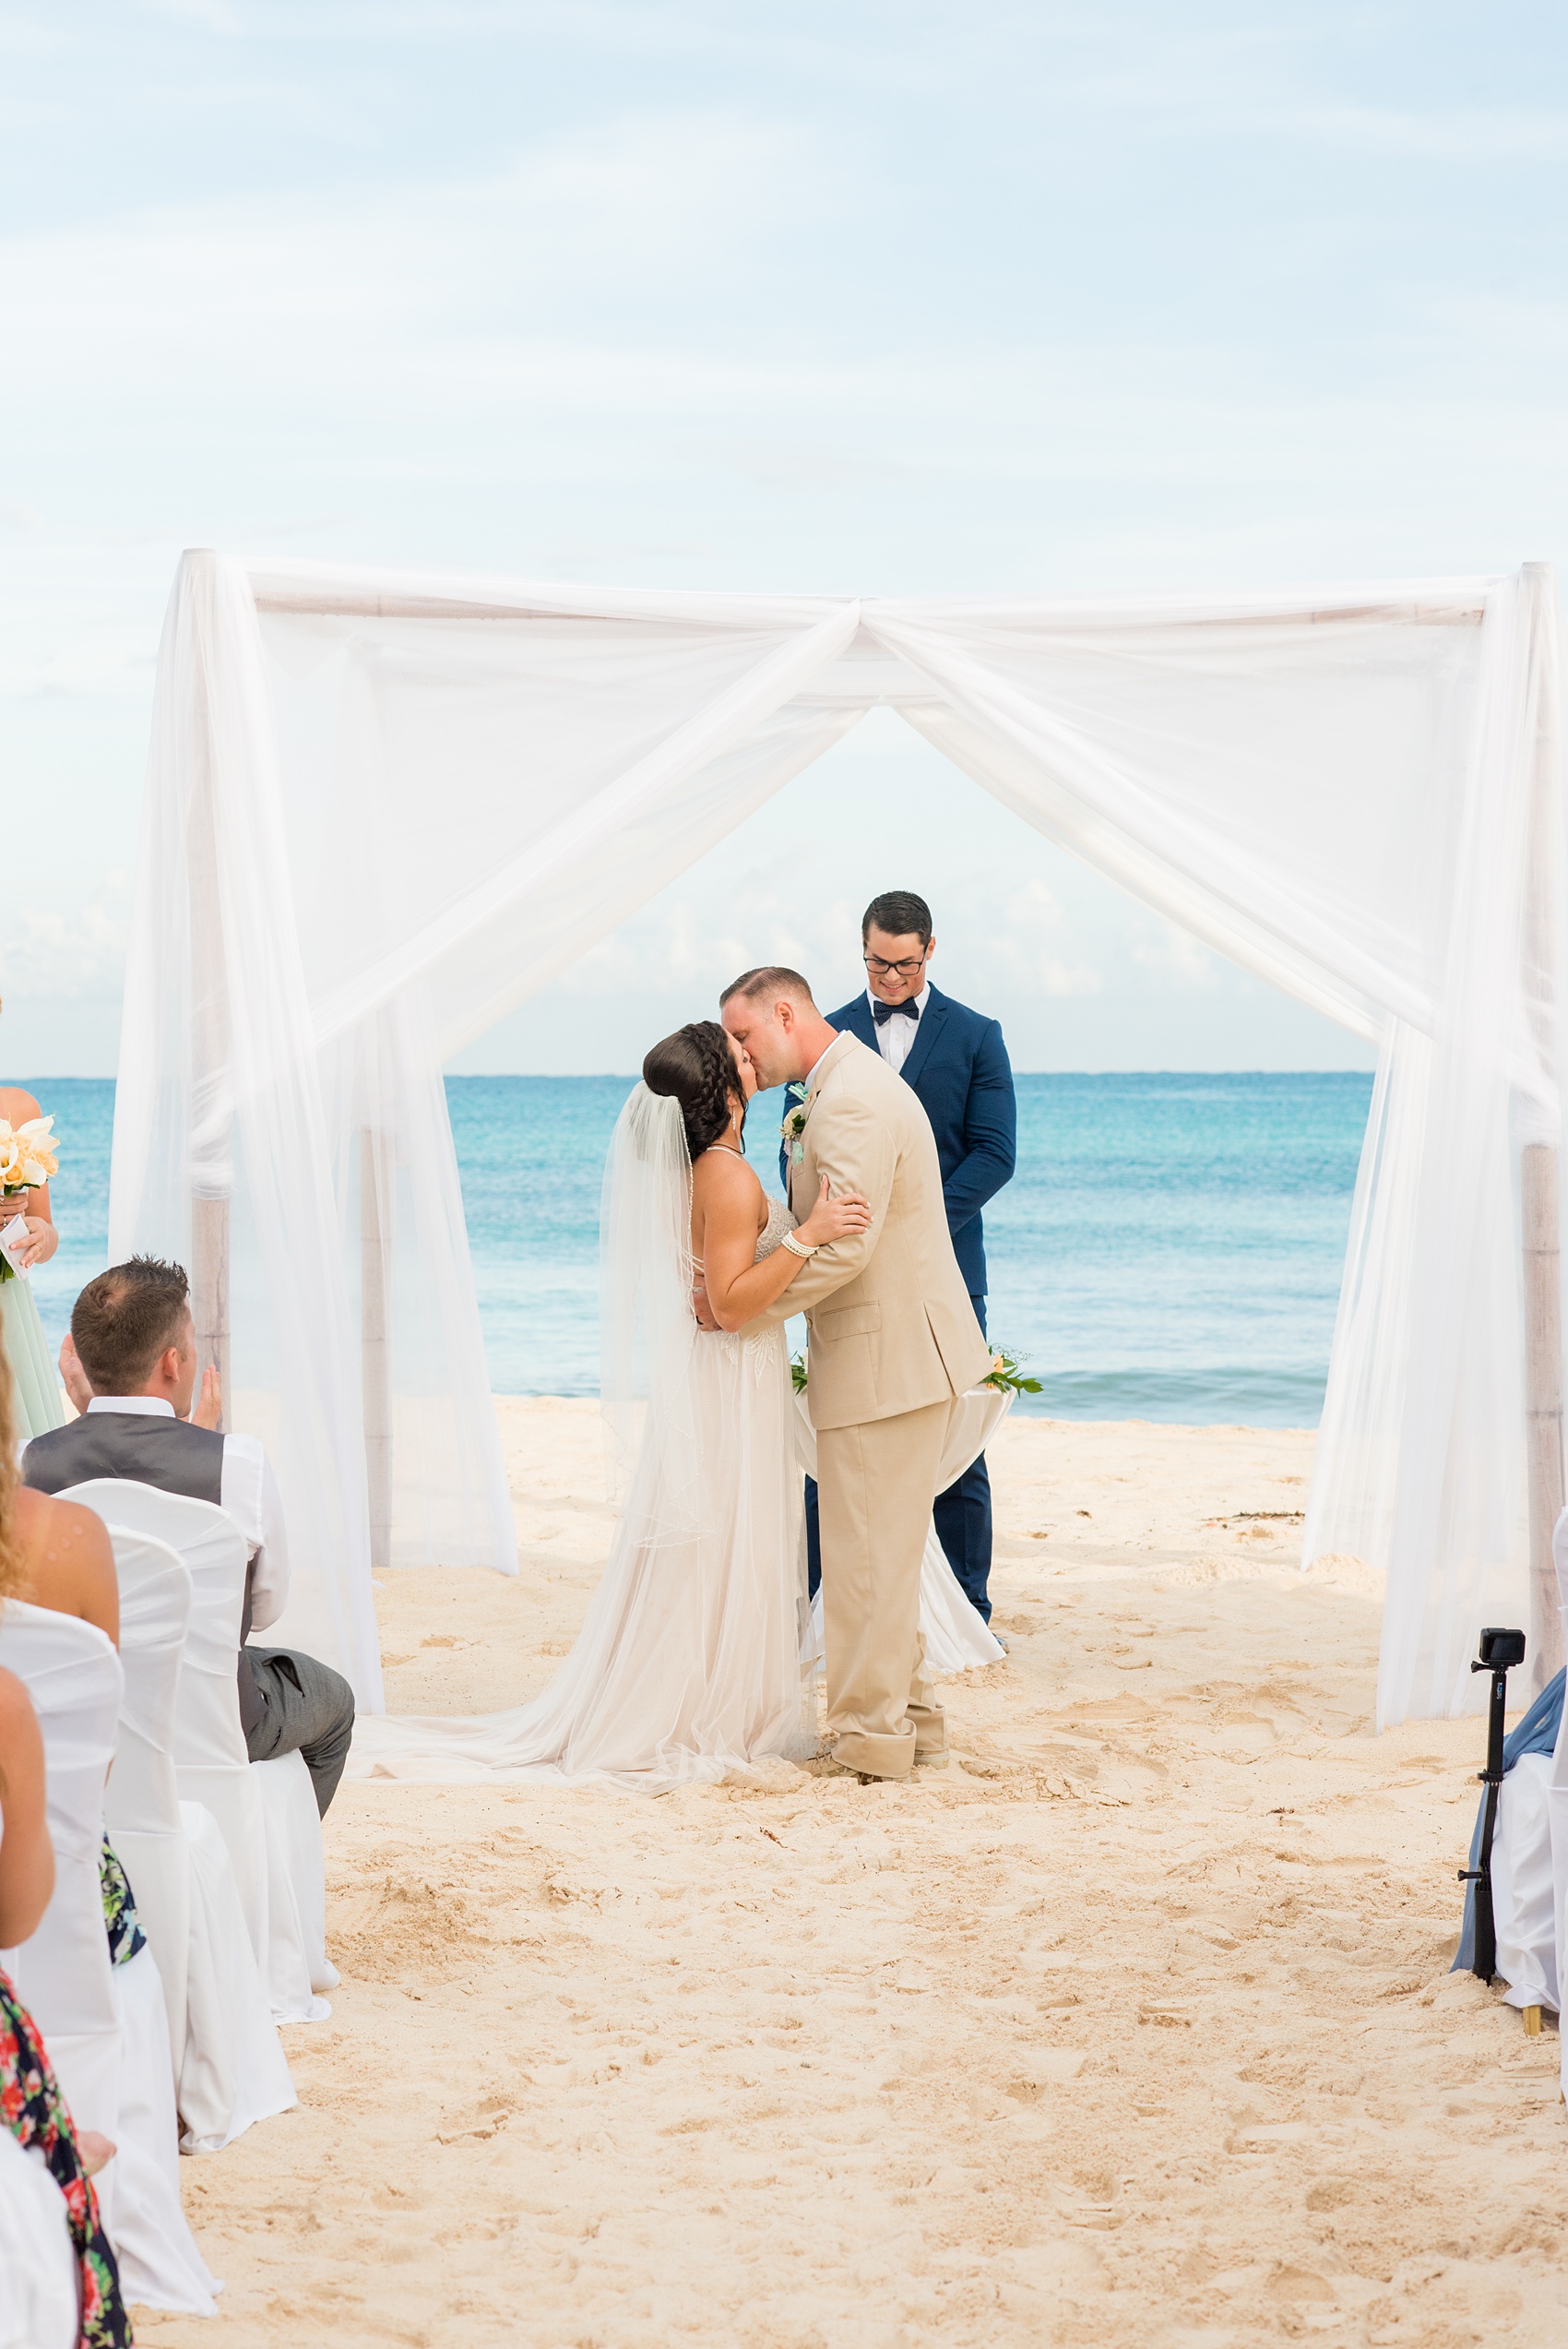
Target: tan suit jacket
[(892, 1328)]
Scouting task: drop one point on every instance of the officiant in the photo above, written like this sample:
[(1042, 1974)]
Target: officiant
[(957, 1063)]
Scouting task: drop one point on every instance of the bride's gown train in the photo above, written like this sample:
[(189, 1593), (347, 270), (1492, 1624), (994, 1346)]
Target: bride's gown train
[(690, 1661)]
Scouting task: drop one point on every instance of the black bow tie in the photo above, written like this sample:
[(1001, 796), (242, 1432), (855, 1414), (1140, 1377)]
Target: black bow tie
[(887, 1012)]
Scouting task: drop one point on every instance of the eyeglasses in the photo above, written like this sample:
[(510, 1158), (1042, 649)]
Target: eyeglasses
[(880, 970)]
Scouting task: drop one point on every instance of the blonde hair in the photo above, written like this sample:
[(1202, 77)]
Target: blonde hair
[(13, 1571)]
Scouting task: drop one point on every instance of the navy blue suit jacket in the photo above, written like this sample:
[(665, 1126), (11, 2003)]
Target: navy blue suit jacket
[(963, 1080)]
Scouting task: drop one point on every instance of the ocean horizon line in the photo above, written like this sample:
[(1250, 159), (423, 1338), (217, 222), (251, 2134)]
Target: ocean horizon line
[(1169, 1250)]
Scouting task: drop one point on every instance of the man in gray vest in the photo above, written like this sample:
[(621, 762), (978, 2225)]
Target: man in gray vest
[(135, 1344)]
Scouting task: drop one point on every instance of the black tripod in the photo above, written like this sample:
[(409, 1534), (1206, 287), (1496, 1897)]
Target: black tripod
[(1501, 1651)]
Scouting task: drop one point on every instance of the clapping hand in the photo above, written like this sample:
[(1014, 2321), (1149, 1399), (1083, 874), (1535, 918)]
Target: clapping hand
[(209, 1410), (73, 1377)]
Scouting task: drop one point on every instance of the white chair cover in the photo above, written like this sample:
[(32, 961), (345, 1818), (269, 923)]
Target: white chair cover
[(142, 1806), (296, 1889), (38, 2265), (108, 2043), (1524, 1907), (1557, 1790), (212, 1765), (63, 1974), (229, 2067), (957, 1635), (234, 2070), (159, 2264)]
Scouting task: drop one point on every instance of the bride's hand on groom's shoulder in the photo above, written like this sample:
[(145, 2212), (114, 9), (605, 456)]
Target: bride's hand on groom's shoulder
[(834, 1218)]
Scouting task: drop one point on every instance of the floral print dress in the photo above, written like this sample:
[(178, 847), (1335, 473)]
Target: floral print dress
[(120, 1920)]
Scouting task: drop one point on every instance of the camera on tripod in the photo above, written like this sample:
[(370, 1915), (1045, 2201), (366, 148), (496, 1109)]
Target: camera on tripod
[(1501, 1651)]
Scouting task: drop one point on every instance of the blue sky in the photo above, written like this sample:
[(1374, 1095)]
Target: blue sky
[(885, 298)]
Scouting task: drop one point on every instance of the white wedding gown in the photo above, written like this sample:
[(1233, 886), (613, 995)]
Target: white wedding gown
[(690, 1662)]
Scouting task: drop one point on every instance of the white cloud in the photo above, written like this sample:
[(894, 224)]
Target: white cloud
[(392, 286), (1060, 979), (1173, 955), (71, 953), (1446, 133)]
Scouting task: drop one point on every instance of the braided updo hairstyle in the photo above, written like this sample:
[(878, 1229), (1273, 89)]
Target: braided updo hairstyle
[(696, 1067)]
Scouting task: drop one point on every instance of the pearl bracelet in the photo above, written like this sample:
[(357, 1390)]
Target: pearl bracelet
[(794, 1247)]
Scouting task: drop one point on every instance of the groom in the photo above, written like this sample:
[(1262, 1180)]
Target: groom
[(894, 1342)]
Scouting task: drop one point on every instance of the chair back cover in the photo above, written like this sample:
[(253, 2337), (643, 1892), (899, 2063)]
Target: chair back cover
[(142, 1804), (210, 1762), (63, 1975), (155, 1607), (38, 2265)]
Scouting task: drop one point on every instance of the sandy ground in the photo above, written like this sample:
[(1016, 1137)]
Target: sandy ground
[(1133, 2027)]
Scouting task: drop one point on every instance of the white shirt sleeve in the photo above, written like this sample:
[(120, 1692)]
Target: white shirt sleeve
[(250, 1495)]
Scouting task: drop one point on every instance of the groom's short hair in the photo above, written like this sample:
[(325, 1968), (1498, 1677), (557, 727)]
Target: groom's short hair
[(773, 979)]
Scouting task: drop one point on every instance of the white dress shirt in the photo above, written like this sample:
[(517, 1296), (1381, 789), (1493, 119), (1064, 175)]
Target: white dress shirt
[(248, 1492), (894, 1036)]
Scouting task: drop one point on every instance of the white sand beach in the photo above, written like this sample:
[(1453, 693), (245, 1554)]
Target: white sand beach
[(1133, 2027)]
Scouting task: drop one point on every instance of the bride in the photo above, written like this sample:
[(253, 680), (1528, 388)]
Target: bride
[(689, 1663)]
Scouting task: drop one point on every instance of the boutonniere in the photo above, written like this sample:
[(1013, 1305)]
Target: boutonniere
[(795, 1116)]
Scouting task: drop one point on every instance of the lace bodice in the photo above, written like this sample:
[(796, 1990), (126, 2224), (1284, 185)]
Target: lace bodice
[(780, 1220)]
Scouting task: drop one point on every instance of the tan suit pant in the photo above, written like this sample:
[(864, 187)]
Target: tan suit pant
[(875, 1485)]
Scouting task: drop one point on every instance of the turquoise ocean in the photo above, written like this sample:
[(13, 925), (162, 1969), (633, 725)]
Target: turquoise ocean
[(1169, 1247)]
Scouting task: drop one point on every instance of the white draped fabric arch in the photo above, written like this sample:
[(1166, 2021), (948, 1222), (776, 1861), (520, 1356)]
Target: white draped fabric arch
[(382, 809)]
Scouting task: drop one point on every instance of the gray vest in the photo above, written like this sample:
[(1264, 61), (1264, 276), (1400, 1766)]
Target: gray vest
[(147, 1450), (144, 1447)]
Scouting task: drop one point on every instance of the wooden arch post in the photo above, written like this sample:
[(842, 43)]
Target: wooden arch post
[(1540, 1201), (210, 1029), (375, 1336)]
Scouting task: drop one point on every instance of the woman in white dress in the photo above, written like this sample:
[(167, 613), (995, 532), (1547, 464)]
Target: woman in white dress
[(689, 1664)]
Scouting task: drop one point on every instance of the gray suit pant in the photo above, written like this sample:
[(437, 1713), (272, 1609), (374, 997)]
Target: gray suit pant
[(309, 1710)]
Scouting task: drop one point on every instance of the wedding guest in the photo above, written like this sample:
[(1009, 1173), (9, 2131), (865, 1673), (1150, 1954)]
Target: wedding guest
[(64, 1559), (67, 1564), (956, 1064), (31, 2103), (37, 1404), (133, 1362)]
